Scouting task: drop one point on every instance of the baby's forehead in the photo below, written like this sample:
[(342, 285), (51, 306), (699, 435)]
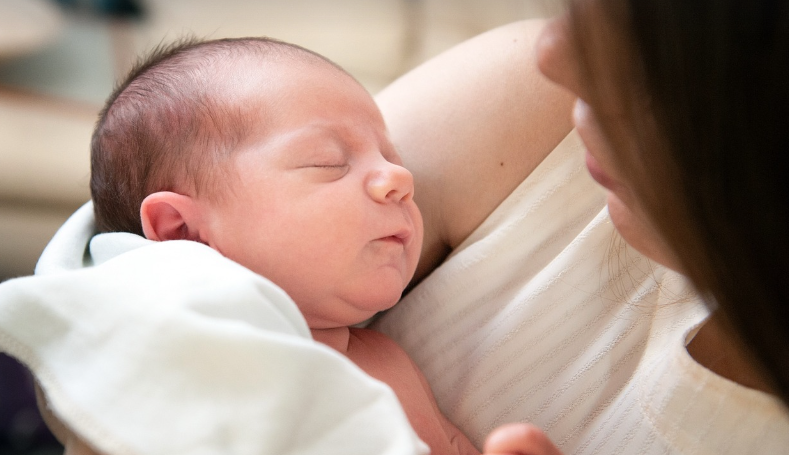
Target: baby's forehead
[(277, 91), (250, 61), (252, 81), (267, 94)]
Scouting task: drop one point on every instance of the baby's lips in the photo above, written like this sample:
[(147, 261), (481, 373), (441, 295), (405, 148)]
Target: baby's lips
[(402, 236)]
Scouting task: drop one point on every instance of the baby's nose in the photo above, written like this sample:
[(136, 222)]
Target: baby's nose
[(391, 183)]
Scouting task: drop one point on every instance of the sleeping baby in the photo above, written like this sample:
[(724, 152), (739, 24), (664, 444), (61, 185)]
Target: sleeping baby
[(280, 160)]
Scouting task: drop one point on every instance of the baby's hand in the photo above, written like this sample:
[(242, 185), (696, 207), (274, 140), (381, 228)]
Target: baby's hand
[(519, 439)]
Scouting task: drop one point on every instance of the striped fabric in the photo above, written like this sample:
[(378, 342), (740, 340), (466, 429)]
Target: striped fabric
[(545, 315)]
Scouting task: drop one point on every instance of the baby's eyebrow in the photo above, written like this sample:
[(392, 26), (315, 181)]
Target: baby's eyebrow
[(285, 141)]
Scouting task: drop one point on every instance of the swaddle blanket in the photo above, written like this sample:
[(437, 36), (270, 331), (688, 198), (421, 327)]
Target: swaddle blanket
[(170, 348)]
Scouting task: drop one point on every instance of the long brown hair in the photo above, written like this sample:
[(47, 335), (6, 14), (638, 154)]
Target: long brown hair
[(706, 83)]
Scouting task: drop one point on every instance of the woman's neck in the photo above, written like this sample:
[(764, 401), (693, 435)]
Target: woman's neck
[(336, 338), (714, 349)]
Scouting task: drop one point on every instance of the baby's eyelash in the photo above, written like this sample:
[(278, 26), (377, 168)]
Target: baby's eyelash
[(330, 166)]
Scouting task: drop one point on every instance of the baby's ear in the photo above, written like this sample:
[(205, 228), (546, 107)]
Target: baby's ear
[(170, 216)]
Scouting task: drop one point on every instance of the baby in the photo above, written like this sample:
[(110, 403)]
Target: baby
[(280, 160)]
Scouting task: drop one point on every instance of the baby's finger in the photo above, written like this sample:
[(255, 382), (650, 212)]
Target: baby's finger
[(519, 439)]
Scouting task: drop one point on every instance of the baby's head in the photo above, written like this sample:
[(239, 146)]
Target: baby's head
[(273, 156), (176, 118)]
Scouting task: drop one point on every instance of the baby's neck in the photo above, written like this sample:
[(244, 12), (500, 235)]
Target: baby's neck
[(336, 338)]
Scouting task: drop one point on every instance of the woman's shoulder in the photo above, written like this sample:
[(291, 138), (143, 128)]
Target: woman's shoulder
[(486, 119)]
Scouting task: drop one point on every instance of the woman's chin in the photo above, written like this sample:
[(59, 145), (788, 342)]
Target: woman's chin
[(639, 233)]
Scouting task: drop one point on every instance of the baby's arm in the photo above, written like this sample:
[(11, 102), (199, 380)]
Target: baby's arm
[(471, 124), (457, 439), (383, 359)]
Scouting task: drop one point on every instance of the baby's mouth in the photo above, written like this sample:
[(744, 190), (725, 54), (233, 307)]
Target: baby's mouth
[(400, 237), (393, 239)]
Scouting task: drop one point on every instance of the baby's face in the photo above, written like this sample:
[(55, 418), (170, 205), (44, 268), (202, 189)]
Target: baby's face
[(319, 202)]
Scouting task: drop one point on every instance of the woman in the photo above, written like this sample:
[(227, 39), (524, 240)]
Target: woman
[(704, 102), (687, 138), (683, 109), (686, 128)]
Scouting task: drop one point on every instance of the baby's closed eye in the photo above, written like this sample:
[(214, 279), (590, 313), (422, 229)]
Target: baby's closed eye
[(326, 171), (329, 166)]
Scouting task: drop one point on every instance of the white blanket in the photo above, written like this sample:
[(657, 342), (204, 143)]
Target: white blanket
[(169, 348)]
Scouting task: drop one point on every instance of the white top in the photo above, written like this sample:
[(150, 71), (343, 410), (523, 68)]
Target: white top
[(545, 315)]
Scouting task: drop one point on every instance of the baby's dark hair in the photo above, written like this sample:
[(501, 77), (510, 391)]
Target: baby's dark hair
[(166, 124)]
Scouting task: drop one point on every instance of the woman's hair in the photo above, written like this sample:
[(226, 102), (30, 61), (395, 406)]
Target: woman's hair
[(170, 124), (706, 89)]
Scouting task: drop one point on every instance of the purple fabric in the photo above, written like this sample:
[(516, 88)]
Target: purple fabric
[(21, 428)]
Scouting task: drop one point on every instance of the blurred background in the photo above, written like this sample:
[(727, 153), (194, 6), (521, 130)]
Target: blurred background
[(59, 60)]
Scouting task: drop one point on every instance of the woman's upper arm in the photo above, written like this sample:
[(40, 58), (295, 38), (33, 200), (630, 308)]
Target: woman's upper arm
[(471, 124)]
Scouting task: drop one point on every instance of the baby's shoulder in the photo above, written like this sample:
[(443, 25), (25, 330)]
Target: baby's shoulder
[(367, 348), (372, 339)]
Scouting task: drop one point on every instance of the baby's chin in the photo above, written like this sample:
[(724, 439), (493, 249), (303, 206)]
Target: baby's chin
[(356, 315), (369, 313)]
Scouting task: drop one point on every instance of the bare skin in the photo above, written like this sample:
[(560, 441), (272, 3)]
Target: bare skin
[(383, 359), (714, 349)]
